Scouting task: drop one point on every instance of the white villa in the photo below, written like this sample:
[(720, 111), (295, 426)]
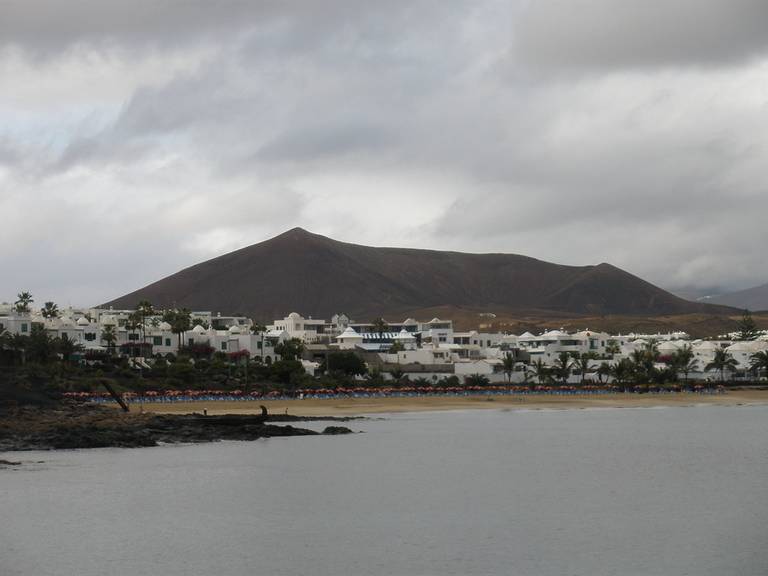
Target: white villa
[(228, 334), (430, 349)]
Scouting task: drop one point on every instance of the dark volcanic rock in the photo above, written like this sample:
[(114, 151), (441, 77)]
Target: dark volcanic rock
[(99, 427), (334, 430), (69, 437), (291, 418)]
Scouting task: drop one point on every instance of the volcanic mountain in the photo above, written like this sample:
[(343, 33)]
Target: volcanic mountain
[(752, 299), (317, 276)]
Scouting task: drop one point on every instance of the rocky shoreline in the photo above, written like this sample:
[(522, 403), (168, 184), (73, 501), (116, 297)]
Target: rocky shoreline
[(72, 426)]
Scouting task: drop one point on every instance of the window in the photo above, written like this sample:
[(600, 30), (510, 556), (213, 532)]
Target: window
[(224, 346), (167, 341), (133, 336), (90, 336), (25, 327), (157, 340)]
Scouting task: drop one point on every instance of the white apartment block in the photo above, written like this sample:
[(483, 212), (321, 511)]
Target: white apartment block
[(419, 343)]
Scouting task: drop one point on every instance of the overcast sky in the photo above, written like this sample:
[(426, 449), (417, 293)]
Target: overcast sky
[(137, 138)]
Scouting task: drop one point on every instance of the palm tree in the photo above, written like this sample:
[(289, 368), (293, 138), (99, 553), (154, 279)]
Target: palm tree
[(144, 309), (50, 310), (397, 375), (759, 362), (6, 341), (638, 358), (643, 360), (22, 305), (539, 369), (721, 362), (67, 347), (583, 363), (508, 364), (290, 349), (612, 349), (180, 321), (603, 371), (109, 336), (562, 366), (19, 343), (651, 348), (380, 326), (684, 360), (133, 323), (41, 347), (476, 380), (395, 348), (623, 370), (421, 382), (257, 328)]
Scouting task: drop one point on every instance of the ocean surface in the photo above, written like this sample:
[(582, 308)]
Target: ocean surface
[(667, 491)]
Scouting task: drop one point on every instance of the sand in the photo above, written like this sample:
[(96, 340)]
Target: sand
[(363, 406)]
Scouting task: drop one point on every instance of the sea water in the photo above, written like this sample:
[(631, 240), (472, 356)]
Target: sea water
[(664, 492)]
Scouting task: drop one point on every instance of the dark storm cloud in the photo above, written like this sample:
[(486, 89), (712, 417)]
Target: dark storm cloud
[(596, 34), (46, 26)]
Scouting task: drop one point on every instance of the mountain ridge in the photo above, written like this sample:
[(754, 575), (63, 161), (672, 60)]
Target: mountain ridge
[(316, 275), (755, 298)]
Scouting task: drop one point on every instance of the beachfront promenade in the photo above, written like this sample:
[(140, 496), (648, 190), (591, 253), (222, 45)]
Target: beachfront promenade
[(173, 397)]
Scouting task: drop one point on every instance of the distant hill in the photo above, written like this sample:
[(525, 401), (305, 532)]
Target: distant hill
[(318, 276), (752, 299)]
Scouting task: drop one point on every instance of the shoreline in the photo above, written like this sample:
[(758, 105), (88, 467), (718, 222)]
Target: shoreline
[(368, 406), (73, 426)]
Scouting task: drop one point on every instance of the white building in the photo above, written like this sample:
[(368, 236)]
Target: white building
[(742, 352), (550, 345), (308, 330)]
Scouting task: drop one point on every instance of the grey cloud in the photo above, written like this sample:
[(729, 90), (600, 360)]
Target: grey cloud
[(242, 108), (598, 34), (654, 169), (46, 27), (10, 155), (312, 142)]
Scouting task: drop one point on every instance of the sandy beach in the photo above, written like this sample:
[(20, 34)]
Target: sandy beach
[(362, 406)]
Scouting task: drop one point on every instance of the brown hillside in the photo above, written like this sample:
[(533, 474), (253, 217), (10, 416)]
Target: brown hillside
[(318, 276)]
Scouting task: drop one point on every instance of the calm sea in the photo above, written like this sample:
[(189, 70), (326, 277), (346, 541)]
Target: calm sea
[(664, 492)]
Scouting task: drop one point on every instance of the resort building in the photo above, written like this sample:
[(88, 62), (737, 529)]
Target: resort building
[(742, 352), (309, 330), (423, 349)]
